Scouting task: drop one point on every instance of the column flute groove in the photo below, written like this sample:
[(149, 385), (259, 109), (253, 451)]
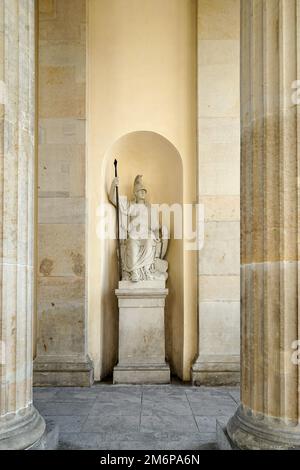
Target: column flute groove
[(269, 413), (21, 426)]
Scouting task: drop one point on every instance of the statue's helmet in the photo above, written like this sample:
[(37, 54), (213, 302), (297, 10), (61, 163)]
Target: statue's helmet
[(138, 184)]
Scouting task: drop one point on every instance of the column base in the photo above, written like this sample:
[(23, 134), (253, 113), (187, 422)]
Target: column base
[(50, 438), (214, 374), (249, 432), (223, 440), (145, 374), (22, 430), (63, 372)]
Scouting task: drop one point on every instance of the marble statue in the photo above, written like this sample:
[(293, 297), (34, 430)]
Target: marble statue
[(143, 243)]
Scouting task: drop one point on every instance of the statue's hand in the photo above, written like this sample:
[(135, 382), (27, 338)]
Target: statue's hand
[(112, 192), (156, 235)]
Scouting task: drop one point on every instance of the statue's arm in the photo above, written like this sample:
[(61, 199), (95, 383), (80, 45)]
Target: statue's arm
[(112, 193)]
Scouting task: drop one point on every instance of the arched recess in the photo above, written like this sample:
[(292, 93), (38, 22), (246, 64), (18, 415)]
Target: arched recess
[(156, 158)]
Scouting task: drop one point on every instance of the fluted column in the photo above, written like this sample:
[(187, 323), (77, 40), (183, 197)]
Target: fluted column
[(269, 416), (20, 424)]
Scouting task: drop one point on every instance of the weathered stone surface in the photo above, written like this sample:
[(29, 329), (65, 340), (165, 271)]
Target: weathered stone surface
[(20, 423), (64, 246), (62, 210), (63, 371), (216, 159), (218, 362), (62, 21), (268, 417), (219, 330), (61, 305), (142, 357), (136, 374), (61, 170), (61, 300), (64, 131), (218, 376), (54, 103), (218, 189), (220, 253), (226, 288), (220, 208), (218, 19), (21, 429)]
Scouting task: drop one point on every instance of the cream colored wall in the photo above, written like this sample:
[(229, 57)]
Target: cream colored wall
[(141, 77), (219, 182)]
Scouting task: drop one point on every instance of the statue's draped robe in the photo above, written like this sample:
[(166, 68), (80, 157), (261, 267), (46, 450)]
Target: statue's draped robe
[(138, 223)]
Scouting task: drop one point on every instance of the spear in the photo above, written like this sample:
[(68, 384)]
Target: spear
[(118, 223)]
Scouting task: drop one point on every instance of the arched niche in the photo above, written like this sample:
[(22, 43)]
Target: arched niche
[(153, 156)]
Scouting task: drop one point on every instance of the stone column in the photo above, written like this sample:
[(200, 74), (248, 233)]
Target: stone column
[(21, 426), (268, 417)]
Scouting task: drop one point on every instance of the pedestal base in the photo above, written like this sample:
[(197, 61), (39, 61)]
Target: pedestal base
[(141, 333), (63, 372), (142, 374), (248, 432), (20, 431), (216, 373)]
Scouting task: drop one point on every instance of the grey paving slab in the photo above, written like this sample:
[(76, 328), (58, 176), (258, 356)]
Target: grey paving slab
[(179, 405), (208, 408), (235, 394), (55, 408), (138, 445), (84, 441), (74, 395), (207, 424), (168, 422), (183, 444), (197, 393), (193, 444), (105, 396), (130, 390), (123, 407), (70, 424), (44, 393), (111, 424), (163, 390)]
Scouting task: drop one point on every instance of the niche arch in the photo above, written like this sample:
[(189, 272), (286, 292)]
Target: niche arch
[(157, 159)]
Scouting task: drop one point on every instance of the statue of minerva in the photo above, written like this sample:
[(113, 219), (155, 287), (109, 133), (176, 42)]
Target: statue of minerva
[(143, 243)]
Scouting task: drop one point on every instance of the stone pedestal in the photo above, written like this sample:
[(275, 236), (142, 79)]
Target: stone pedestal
[(142, 333)]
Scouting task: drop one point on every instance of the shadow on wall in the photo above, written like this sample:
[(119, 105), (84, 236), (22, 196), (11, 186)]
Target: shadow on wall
[(154, 157)]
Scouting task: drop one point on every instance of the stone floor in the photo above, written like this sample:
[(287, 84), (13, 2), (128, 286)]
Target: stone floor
[(162, 417)]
